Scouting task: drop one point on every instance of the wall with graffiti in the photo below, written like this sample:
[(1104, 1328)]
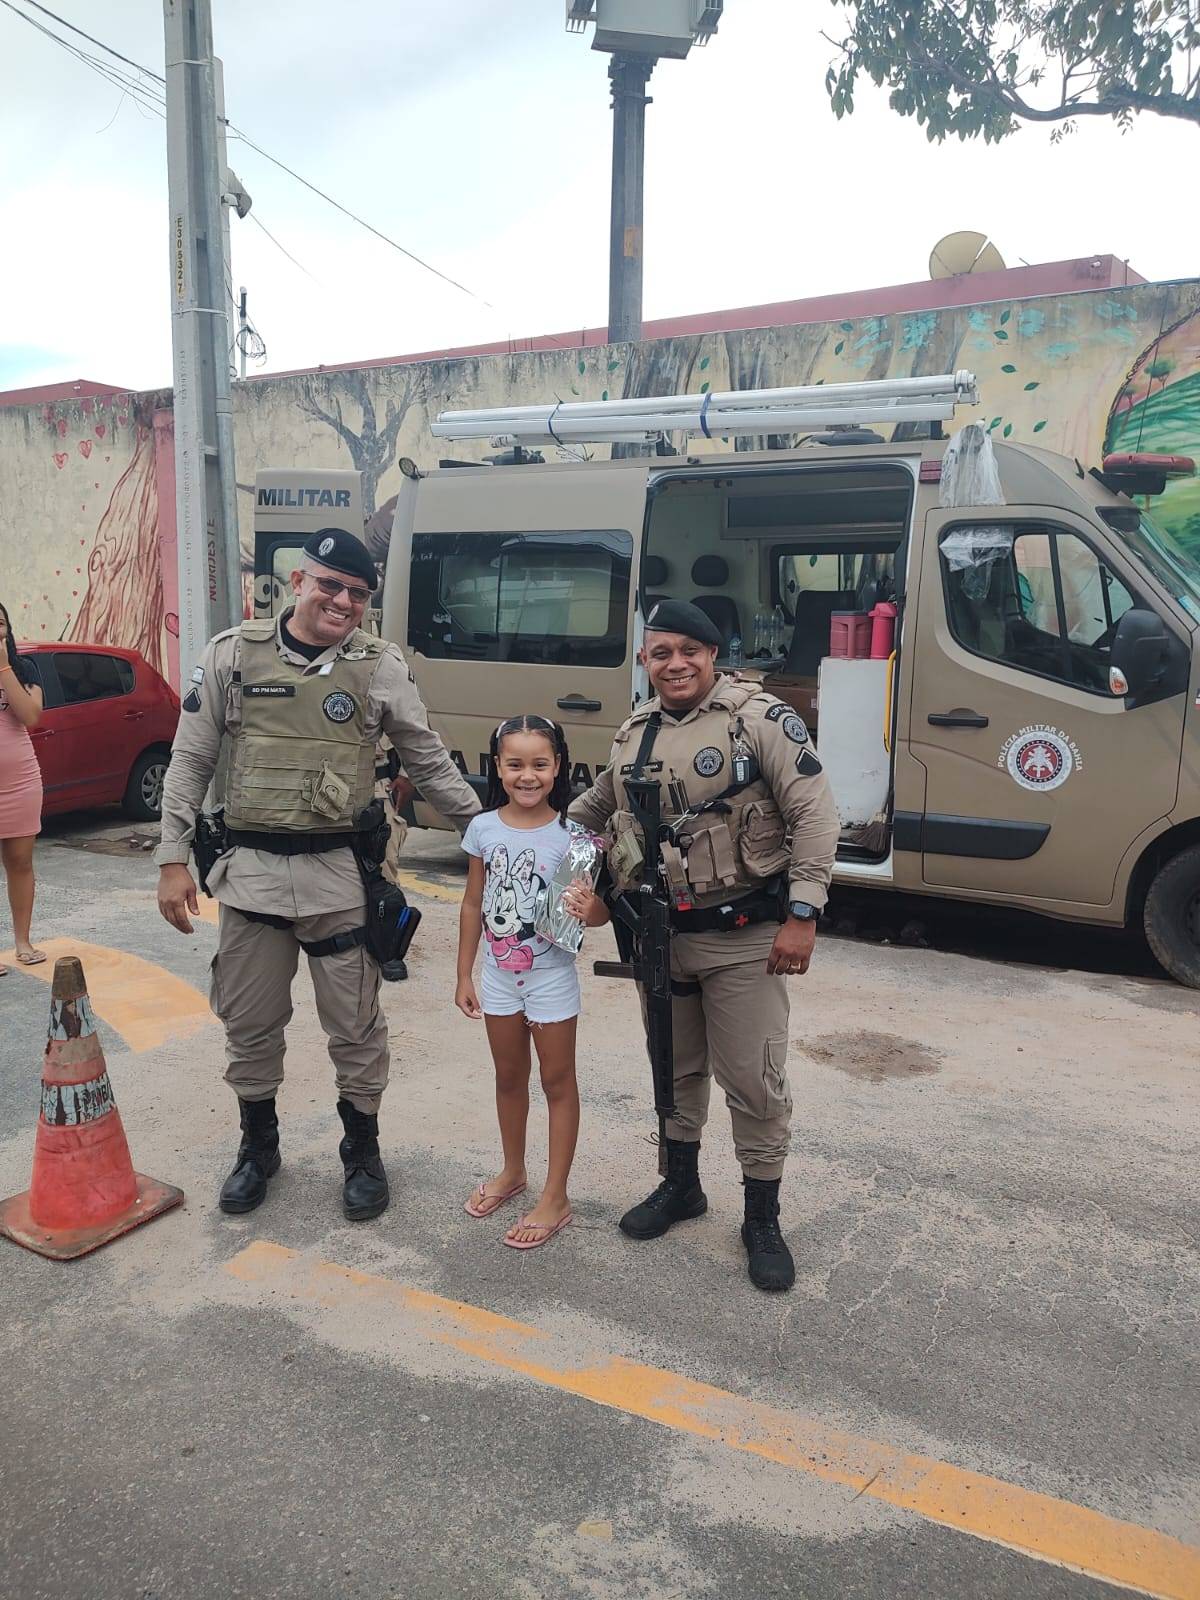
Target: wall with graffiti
[(87, 523), (1079, 373), (80, 555)]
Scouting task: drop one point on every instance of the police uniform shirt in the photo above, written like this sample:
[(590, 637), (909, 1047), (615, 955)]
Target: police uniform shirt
[(307, 885), (788, 766)]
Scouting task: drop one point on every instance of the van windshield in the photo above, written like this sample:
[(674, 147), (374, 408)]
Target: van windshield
[(1175, 568)]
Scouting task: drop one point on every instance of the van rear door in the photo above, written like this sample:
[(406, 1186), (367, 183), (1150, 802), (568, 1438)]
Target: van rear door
[(521, 595), (1038, 779)]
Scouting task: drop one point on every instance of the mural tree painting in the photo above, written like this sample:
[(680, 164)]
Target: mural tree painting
[(372, 447), (124, 601), (973, 69), (1159, 409)]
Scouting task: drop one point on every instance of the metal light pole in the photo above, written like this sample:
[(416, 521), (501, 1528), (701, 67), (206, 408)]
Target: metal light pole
[(629, 76), (210, 579), (637, 33)]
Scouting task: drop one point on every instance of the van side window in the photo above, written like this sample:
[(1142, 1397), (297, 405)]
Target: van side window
[(547, 599), (1040, 600)]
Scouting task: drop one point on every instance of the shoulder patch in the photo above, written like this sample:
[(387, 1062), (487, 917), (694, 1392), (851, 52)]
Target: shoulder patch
[(807, 765), (792, 723), (191, 700)]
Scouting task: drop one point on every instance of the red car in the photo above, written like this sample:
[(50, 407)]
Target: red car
[(105, 734)]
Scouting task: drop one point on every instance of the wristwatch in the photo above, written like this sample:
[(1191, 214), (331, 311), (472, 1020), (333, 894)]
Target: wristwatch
[(802, 911)]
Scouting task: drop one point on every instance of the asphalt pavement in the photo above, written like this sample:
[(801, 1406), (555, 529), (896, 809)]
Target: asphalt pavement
[(984, 1384)]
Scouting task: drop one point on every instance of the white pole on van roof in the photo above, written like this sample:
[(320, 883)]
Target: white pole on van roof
[(750, 411)]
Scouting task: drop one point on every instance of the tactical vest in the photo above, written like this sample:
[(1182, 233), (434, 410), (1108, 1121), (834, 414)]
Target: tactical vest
[(301, 761), (721, 852)]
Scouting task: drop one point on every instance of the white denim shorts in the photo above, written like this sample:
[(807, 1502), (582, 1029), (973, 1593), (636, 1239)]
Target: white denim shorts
[(544, 994)]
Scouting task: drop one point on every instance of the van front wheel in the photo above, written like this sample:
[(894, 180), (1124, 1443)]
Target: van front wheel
[(1172, 916)]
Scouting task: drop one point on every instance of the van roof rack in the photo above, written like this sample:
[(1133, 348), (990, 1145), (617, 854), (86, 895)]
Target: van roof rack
[(737, 412)]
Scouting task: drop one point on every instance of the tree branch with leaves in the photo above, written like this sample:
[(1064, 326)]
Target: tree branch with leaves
[(983, 67)]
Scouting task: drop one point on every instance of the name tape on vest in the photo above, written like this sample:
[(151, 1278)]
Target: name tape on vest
[(269, 691)]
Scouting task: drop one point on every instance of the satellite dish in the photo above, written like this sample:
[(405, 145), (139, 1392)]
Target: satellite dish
[(961, 253)]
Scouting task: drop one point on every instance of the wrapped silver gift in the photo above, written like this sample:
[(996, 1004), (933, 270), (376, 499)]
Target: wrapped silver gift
[(582, 860)]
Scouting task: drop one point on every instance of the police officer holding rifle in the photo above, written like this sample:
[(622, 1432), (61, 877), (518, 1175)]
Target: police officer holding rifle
[(747, 833), (296, 858)]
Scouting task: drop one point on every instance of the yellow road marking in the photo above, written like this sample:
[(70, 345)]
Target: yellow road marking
[(208, 911), (1037, 1525), (144, 1003), (425, 886)]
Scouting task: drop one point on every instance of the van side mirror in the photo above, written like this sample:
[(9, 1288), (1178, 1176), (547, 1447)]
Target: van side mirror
[(1140, 654)]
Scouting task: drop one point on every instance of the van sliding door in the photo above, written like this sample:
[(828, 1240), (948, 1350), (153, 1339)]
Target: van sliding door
[(521, 594)]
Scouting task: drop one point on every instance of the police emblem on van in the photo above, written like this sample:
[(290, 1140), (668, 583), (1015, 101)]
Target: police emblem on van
[(709, 761), (1040, 757), (338, 707)]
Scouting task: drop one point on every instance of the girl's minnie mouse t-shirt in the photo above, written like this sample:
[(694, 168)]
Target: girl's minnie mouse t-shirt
[(518, 864)]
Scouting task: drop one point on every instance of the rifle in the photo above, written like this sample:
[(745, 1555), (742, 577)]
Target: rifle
[(642, 923)]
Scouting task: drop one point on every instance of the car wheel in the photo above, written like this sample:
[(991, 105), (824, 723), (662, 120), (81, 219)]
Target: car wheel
[(1172, 916), (144, 791)]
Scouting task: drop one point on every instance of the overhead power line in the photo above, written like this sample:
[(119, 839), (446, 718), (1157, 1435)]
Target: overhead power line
[(147, 95)]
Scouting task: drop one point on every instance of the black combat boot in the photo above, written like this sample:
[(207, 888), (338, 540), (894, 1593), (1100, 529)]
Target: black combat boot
[(771, 1264), (365, 1193), (678, 1197), (257, 1158)]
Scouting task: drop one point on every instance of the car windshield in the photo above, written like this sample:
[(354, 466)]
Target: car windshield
[(1175, 568)]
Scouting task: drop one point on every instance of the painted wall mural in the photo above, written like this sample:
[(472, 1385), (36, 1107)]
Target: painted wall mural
[(79, 522), (87, 516)]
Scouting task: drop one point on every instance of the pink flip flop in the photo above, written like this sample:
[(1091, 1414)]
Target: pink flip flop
[(546, 1229), (497, 1200)]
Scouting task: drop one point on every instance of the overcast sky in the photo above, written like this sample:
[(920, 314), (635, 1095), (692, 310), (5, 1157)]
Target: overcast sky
[(477, 133)]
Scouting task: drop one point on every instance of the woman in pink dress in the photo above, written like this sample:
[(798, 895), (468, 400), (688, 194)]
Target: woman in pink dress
[(20, 787)]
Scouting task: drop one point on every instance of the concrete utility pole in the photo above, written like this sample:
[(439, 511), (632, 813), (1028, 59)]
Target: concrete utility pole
[(637, 33), (210, 578)]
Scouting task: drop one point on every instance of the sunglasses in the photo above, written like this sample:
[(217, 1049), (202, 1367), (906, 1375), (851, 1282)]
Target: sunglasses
[(332, 588)]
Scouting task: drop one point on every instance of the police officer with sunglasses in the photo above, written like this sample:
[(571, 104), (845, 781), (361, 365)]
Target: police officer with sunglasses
[(302, 700)]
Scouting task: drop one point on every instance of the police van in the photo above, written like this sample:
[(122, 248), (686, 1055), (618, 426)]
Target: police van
[(995, 647)]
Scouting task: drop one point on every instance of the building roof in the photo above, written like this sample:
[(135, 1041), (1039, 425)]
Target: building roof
[(75, 389), (981, 288)]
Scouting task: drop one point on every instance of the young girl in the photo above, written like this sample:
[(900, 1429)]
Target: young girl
[(528, 984), (20, 787)]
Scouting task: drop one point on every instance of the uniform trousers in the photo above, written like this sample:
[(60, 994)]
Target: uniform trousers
[(251, 993), (730, 1021)]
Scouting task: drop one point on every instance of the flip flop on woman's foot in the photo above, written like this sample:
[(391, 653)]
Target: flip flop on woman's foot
[(3, 972), (30, 957), (545, 1232), (482, 1204)]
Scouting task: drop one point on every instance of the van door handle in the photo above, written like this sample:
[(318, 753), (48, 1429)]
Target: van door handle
[(958, 718), (134, 716), (574, 702)]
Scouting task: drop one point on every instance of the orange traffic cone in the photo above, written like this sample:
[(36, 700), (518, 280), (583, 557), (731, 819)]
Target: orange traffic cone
[(84, 1190)]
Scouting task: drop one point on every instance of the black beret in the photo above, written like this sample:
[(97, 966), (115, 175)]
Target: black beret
[(676, 616), (343, 552)]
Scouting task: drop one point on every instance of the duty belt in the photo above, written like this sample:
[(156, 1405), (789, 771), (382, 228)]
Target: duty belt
[(761, 905), (291, 844)]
